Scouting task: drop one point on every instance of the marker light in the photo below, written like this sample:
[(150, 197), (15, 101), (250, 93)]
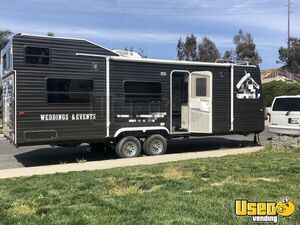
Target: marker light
[(21, 114)]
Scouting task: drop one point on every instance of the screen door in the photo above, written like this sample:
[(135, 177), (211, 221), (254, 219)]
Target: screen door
[(200, 102)]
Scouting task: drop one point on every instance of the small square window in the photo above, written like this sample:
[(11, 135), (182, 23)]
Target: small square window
[(200, 87), (37, 55)]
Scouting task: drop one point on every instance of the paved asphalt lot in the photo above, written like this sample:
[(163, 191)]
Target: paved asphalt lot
[(11, 157)]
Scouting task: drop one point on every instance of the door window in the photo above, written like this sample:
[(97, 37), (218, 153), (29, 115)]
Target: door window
[(200, 87)]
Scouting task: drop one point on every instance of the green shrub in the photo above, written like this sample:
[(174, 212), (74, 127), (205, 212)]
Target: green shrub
[(278, 88)]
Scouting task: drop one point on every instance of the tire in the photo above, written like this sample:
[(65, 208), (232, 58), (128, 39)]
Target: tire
[(97, 147), (155, 145), (128, 147)]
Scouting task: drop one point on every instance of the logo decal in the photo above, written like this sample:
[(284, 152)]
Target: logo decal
[(247, 88), (265, 211)]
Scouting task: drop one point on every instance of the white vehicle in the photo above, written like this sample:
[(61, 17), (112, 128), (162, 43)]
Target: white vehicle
[(285, 115)]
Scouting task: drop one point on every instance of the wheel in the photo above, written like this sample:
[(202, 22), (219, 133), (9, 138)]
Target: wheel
[(128, 147), (97, 147), (155, 145)]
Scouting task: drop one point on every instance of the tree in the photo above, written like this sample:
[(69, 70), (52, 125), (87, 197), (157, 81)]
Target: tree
[(207, 51), (290, 57), (187, 50), (180, 49), (277, 88), (4, 38), (50, 34), (228, 55), (190, 48), (246, 48)]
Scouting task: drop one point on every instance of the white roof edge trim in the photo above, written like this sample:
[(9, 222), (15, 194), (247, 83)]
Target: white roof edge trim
[(92, 55), (164, 61), (67, 38)]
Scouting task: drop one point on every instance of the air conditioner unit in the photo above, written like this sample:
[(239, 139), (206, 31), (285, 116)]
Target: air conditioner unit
[(128, 54)]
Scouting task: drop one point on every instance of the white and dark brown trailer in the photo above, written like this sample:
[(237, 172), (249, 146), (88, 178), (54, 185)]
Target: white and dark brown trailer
[(64, 91)]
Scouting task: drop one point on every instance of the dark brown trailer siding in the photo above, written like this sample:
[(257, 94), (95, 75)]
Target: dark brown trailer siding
[(32, 96), (121, 71), (248, 113)]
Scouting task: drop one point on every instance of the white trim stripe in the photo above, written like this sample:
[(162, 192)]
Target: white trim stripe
[(143, 129), (15, 89), (232, 98), (173, 62), (91, 55), (107, 98)]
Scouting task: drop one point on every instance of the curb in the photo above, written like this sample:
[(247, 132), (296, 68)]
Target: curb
[(117, 163)]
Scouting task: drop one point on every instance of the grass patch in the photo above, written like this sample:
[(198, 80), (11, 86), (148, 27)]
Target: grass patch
[(81, 160), (198, 191)]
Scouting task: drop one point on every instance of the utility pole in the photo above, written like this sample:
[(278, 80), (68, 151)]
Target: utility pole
[(289, 22)]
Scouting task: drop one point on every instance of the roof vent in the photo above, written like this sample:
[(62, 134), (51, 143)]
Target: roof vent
[(128, 54)]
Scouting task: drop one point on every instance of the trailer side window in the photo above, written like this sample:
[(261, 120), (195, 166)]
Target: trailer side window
[(37, 55), (142, 92), (69, 90)]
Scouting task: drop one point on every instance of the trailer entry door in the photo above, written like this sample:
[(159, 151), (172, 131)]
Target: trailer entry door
[(9, 107), (200, 99)]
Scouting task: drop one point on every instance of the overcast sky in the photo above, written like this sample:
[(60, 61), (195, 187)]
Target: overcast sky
[(156, 25)]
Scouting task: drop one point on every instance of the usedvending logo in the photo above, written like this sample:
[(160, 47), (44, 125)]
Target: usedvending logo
[(265, 211)]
